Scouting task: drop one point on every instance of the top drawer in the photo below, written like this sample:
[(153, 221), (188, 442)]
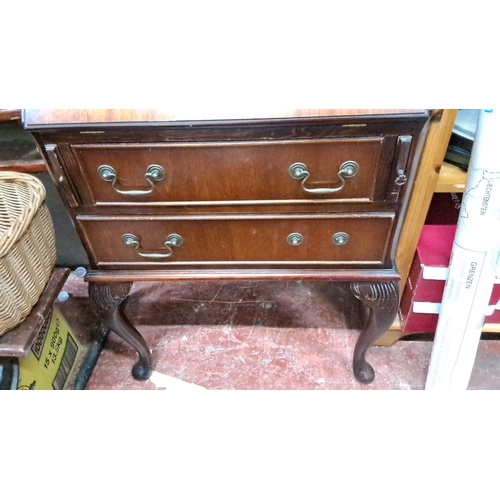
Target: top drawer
[(324, 170)]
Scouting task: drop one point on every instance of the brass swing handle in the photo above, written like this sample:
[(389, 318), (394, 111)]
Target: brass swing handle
[(173, 240), (347, 170), (154, 173)]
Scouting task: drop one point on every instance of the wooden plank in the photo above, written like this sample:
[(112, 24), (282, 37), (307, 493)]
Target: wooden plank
[(255, 274), (395, 333), (17, 341), (9, 115), (39, 117), (26, 167), (431, 163), (451, 179), (392, 335), (433, 154)]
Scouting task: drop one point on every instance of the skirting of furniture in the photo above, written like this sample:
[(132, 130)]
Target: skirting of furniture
[(303, 194)]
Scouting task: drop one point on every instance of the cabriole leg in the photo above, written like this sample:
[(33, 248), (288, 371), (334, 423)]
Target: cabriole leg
[(107, 299), (383, 300)]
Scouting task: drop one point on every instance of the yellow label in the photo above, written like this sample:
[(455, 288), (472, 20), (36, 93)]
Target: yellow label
[(52, 357)]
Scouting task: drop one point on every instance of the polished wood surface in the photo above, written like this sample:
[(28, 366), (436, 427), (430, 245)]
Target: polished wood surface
[(108, 299), (229, 195), (10, 115), (382, 300), (262, 241), (34, 117), (266, 273), (26, 167), (212, 172)]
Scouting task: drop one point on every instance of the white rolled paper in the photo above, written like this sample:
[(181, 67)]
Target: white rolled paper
[(473, 266)]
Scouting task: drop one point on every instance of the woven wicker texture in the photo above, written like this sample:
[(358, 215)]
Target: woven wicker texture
[(27, 246)]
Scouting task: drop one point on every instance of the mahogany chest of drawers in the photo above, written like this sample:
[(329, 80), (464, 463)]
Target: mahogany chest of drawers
[(302, 194)]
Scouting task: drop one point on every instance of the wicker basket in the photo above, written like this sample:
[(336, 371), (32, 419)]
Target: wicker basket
[(27, 246)]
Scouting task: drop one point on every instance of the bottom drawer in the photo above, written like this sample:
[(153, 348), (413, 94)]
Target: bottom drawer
[(145, 242)]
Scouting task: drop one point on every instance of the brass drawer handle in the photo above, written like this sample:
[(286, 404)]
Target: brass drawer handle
[(347, 170), (154, 173), (173, 240)]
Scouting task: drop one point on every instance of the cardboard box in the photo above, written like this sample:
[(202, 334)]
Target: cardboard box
[(44, 350), (420, 304), (52, 359)]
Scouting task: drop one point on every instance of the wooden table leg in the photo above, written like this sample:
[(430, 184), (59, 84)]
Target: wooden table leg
[(383, 300), (107, 299)]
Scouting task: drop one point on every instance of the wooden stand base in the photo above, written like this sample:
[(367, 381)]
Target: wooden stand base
[(381, 298)]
